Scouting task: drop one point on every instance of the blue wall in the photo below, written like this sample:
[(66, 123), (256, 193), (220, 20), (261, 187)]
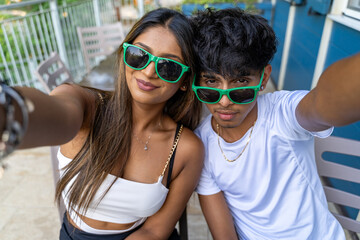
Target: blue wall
[(280, 19), (304, 48)]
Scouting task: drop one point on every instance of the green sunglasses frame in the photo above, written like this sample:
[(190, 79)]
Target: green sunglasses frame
[(155, 59), (227, 91)]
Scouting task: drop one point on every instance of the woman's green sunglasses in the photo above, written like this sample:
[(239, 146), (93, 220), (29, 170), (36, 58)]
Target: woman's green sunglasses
[(167, 69), (240, 95)]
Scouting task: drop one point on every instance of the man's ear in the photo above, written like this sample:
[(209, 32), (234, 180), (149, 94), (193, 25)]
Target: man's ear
[(267, 73)]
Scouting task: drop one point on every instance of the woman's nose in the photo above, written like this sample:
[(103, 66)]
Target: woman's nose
[(150, 71)]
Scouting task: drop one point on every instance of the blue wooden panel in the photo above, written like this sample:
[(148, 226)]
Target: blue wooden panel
[(320, 6), (304, 48), (279, 25), (298, 74), (298, 1), (344, 41), (266, 9)]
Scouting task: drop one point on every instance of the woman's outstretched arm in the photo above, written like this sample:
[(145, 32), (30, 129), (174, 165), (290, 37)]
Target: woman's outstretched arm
[(56, 118)]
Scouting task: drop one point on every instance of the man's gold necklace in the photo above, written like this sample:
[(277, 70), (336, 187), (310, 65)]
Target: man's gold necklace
[(247, 143)]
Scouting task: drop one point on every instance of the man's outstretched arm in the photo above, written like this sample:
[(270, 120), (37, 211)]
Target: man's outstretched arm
[(335, 101), (218, 216)]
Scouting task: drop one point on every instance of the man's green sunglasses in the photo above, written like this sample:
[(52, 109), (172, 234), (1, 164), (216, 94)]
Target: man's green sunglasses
[(240, 95), (167, 69)]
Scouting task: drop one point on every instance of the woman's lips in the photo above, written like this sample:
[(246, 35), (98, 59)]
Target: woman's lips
[(145, 86)]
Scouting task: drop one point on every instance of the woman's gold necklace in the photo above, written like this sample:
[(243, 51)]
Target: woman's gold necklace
[(148, 139), (146, 143), (247, 143)]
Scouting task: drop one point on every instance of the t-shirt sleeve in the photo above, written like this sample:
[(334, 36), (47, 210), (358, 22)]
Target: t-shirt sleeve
[(284, 115), (207, 185)]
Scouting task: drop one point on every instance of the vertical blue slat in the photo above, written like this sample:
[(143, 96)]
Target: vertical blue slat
[(304, 48), (279, 24)]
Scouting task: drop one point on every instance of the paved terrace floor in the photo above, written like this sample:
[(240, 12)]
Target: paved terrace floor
[(27, 208)]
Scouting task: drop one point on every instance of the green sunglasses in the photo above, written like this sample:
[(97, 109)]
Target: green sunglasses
[(167, 69), (240, 95)]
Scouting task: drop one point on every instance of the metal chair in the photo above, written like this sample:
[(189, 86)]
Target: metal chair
[(99, 42), (327, 169), (52, 72), (183, 227)]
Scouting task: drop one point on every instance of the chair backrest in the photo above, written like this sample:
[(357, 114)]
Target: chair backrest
[(327, 169), (52, 72), (99, 41)]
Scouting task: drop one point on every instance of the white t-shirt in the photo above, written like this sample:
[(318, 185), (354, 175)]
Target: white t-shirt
[(273, 190)]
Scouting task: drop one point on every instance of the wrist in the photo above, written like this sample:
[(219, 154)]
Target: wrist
[(11, 129)]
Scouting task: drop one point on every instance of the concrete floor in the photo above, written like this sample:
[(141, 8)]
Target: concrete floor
[(27, 207)]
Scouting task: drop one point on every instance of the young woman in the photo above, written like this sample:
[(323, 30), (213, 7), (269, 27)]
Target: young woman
[(120, 176)]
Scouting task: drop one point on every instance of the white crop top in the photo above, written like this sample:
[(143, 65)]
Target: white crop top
[(125, 202)]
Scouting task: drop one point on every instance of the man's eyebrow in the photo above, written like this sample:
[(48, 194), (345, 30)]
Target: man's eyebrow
[(209, 75)]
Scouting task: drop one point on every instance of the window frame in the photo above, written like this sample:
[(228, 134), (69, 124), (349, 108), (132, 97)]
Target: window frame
[(351, 11)]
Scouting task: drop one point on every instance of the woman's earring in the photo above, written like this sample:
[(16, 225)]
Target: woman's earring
[(183, 88), (262, 87)]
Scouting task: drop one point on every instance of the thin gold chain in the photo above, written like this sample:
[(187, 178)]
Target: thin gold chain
[(172, 149), (146, 143), (146, 147), (247, 143)]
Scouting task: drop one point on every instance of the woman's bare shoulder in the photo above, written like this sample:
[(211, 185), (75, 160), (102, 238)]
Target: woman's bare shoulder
[(191, 147), (85, 102), (74, 91)]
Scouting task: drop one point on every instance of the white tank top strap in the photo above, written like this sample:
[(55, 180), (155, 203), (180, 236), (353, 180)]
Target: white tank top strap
[(172, 149)]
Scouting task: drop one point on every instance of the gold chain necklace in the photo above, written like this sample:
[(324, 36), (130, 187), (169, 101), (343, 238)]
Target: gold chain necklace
[(146, 143), (217, 129), (148, 139)]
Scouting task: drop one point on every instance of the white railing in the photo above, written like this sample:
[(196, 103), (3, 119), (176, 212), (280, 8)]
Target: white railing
[(26, 41)]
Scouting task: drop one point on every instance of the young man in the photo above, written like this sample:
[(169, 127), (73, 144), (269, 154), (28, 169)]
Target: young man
[(259, 179)]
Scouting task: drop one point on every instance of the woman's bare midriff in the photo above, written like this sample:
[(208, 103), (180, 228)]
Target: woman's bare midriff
[(100, 225)]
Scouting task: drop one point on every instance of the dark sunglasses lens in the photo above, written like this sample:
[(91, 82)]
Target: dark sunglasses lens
[(208, 95), (169, 70), (242, 95), (136, 57)]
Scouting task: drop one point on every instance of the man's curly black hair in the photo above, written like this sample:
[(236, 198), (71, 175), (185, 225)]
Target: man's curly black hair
[(232, 42)]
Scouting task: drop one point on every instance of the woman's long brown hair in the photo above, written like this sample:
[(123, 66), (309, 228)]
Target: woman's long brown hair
[(109, 141)]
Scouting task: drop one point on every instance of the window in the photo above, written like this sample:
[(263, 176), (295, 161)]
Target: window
[(353, 9)]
